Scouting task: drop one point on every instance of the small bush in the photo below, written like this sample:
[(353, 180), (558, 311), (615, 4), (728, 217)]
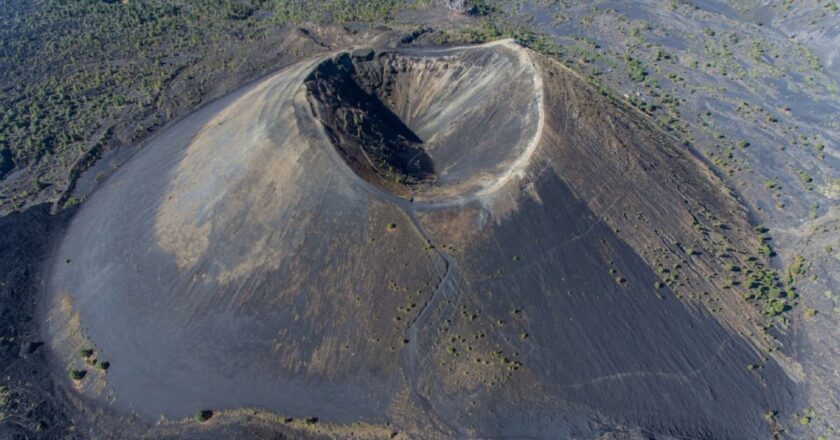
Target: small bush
[(775, 307), (78, 374), (732, 268), (86, 353), (203, 415), (71, 202), (798, 265)]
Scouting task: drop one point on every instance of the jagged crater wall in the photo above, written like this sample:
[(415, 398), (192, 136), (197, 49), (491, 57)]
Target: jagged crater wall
[(428, 124)]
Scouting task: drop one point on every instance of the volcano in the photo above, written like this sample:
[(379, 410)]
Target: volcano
[(457, 242)]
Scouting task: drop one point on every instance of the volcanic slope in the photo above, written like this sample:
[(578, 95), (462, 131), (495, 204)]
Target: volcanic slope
[(460, 242)]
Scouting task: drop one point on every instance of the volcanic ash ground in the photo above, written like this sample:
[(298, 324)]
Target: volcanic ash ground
[(461, 242)]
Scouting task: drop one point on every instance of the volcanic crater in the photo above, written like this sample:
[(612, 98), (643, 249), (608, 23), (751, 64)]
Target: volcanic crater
[(433, 125)]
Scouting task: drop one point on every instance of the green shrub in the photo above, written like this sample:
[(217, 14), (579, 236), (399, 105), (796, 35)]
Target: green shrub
[(635, 69), (203, 415), (71, 202), (732, 268), (797, 267), (775, 307)]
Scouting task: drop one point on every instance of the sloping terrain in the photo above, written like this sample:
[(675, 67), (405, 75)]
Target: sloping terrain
[(452, 242), (29, 400), (753, 87)]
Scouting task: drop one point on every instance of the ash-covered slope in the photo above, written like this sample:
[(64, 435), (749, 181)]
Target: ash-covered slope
[(461, 242)]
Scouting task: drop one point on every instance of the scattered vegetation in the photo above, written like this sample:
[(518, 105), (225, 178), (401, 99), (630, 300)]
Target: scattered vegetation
[(61, 105), (765, 284), (635, 69)]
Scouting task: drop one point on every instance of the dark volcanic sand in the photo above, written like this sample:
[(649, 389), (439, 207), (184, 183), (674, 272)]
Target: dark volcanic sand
[(239, 261)]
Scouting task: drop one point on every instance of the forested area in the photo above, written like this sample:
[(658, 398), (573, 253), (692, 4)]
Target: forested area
[(76, 76)]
